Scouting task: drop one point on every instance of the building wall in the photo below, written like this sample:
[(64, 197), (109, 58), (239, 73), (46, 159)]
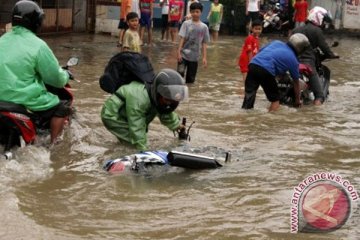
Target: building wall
[(108, 15), (79, 18), (61, 15)]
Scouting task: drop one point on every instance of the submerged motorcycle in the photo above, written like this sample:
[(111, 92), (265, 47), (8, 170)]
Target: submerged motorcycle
[(286, 85), (19, 127), (142, 161)]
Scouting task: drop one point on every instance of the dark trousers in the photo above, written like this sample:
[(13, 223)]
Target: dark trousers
[(258, 76), (315, 84), (190, 68)]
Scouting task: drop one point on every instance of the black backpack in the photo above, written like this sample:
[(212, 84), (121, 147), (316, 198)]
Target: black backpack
[(124, 68)]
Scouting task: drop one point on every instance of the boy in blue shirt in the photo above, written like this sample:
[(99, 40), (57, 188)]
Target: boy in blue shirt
[(273, 60)]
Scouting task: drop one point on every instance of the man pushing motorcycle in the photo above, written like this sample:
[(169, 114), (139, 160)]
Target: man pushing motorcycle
[(273, 60), (27, 64), (313, 31)]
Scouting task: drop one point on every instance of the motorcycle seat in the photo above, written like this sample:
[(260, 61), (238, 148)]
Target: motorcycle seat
[(305, 69), (13, 107)]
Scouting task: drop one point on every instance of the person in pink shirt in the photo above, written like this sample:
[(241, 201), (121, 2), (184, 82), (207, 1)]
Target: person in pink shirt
[(176, 12), (300, 14)]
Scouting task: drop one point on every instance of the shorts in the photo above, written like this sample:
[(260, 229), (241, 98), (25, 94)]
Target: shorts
[(174, 24), (215, 27), (164, 21), (123, 24), (258, 76), (62, 110), (145, 20), (252, 16)]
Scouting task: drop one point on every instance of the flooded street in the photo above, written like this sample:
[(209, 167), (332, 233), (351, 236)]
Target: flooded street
[(64, 193)]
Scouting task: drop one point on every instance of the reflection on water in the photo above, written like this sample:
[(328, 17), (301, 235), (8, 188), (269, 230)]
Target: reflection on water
[(67, 195)]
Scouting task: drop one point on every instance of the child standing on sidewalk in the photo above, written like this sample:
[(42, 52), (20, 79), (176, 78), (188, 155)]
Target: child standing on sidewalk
[(250, 47), (215, 18), (125, 9), (176, 12), (164, 4), (300, 14), (132, 40), (194, 36), (146, 11)]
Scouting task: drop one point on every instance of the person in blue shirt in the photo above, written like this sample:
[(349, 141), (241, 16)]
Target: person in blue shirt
[(273, 60)]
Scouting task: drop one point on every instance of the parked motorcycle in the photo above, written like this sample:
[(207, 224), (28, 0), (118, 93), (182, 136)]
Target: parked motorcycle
[(286, 86), (19, 127), (275, 19)]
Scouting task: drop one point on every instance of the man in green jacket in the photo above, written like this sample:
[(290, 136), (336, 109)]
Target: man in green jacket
[(129, 111), (27, 64)]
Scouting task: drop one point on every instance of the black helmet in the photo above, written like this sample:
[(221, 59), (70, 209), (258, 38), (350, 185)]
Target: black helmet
[(171, 86), (27, 14), (299, 42)]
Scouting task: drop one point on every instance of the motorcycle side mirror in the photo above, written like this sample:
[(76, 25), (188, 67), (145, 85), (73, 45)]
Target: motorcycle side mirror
[(335, 44), (72, 61)]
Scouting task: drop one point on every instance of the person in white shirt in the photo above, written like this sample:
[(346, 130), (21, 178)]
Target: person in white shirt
[(164, 4), (135, 7), (187, 13), (252, 11)]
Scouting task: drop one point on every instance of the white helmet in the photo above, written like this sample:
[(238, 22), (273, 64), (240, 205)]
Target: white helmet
[(318, 15)]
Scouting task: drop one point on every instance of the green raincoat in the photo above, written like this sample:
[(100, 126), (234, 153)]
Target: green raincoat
[(128, 114), (26, 63)]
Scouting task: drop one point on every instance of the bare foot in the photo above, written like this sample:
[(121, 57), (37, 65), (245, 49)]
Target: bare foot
[(274, 106), (317, 102)]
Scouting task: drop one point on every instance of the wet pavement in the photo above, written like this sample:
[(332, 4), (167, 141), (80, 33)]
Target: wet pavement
[(64, 193)]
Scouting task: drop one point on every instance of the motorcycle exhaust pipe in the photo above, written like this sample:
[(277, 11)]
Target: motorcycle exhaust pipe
[(192, 161)]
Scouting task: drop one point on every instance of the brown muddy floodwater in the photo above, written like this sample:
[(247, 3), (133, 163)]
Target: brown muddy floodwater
[(63, 193)]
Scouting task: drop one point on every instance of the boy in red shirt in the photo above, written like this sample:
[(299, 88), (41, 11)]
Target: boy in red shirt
[(300, 14), (176, 12), (250, 47)]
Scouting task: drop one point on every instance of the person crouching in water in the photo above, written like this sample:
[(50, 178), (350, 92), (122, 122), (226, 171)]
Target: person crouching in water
[(128, 113), (273, 60)]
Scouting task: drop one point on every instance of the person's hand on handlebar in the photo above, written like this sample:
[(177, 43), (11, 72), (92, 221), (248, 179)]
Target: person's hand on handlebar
[(71, 76), (181, 128)]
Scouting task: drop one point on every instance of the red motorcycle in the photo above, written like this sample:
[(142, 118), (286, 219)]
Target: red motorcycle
[(19, 127), (286, 85)]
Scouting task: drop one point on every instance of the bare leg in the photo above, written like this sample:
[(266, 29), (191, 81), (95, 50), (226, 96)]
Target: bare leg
[(163, 33), (274, 106), (121, 35), (215, 35), (56, 127), (317, 102), (171, 34), (242, 85), (175, 34), (142, 30), (149, 35), (167, 32)]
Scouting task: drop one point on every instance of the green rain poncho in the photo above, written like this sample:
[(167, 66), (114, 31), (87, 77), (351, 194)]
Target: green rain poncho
[(128, 114), (26, 63)]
